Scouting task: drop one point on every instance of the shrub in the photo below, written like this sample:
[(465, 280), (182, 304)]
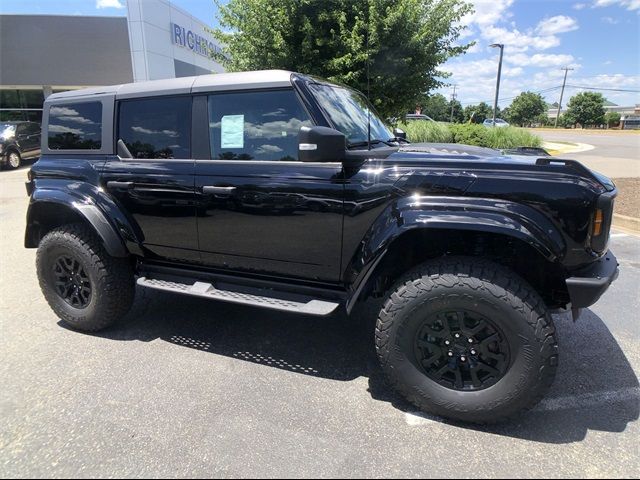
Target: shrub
[(511, 137), (425, 131), (470, 134)]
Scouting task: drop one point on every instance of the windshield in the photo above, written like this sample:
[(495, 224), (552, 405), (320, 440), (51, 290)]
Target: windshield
[(349, 110), (7, 130)]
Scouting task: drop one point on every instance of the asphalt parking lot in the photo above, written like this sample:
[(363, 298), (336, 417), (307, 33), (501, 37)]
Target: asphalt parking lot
[(190, 388), (615, 153)]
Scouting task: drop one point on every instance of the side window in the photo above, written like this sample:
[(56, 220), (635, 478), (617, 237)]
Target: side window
[(75, 126), (156, 127), (255, 125)]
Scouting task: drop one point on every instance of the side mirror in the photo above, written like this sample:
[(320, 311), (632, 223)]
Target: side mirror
[(321, 144), (398, 133)]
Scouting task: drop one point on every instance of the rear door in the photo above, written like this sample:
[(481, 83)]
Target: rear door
[(156, 186), (260, 209)]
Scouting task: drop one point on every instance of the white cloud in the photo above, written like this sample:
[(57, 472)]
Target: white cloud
[(109, 4), (628, 4), (481, 70), (488, 12), (517, 41), (556, 25), (609, 20), (531, 59), (540, 60)]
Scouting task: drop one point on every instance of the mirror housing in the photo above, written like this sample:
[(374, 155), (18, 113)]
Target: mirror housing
[(321, 144), (398, 133)]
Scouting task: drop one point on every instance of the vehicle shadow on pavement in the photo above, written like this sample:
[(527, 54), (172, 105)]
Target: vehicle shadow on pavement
[(595, 389)]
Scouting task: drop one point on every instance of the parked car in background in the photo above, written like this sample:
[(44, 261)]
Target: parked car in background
[(417, 116), (499, 123), (18, 141)]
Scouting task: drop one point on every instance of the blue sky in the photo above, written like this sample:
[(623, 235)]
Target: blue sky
[(600, 39)]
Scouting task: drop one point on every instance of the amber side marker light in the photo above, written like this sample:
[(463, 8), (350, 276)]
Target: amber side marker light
[(597, 223)]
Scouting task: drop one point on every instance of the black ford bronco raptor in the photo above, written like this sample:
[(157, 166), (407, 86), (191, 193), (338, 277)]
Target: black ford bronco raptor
[(287, 192)]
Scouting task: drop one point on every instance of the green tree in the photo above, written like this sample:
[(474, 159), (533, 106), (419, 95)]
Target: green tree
[(612, 119), (586, 108), (402, 43), (458, 112), (478, 113), (543, 119), (526, 108), (436, 106)]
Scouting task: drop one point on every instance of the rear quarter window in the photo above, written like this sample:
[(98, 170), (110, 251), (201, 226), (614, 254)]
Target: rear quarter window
[(75, 126)]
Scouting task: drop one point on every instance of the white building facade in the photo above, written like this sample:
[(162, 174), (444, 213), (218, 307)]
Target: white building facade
[(168, 42)]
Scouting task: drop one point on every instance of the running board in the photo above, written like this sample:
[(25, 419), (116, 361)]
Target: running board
[(291, 302)]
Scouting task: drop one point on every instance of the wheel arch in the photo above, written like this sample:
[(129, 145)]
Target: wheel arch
[(416, 235), (57, 208)]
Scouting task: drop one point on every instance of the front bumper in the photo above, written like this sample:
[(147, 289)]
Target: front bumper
[(587, 284)]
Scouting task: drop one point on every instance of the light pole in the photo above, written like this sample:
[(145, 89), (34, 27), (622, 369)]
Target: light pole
[(495, 102)]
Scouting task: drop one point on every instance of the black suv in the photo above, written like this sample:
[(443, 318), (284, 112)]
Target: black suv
[(287, 192), (18, 141)]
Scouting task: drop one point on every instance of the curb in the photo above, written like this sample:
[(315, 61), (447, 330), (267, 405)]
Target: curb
[(627, 224), (560, 148)]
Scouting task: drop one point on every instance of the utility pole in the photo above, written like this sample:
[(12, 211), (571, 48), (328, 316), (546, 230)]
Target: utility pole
[(566, 70), (495, 102), (453, 97)]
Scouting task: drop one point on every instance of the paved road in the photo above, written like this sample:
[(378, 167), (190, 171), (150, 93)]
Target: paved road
[(616, 154), (191, 388)]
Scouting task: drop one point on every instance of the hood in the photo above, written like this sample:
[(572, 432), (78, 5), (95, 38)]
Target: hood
[(450, 149), (468, 157)]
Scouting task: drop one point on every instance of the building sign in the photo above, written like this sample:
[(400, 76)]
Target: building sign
[(194, 42)]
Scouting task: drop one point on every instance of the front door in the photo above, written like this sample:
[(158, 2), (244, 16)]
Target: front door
[(155, 187), (260, 210)]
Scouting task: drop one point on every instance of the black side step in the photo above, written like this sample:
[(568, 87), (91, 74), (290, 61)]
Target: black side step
[(256, 297)]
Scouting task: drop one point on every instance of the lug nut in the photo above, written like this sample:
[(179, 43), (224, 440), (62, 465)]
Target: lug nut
[(450, 354), (470, 340), (463, 358), (473, 352), (457, 335), (447, 342)]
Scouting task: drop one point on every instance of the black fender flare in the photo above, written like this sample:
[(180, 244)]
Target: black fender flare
[(451, 213), (82, 206)]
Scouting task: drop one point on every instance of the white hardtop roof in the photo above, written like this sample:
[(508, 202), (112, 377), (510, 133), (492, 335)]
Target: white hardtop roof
[(175, 86)]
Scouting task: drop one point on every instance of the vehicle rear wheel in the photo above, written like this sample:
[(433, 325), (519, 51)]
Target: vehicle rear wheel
[(14, 160), (467, 339), (87, 288)]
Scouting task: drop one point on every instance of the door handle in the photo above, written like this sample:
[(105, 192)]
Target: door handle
[(120, 185), (218, 190)]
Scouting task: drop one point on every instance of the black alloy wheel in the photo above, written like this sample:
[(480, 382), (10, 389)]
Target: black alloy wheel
[(71, 281), (461, 350)]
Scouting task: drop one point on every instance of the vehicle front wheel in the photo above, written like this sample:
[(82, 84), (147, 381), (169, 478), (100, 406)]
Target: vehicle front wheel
[(467, 339), (87, 288), (14, 160)]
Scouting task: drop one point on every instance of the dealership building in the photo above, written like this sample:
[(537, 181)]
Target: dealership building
[(43, 54)]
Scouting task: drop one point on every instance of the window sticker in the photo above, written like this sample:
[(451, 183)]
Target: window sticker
[(232, 131)]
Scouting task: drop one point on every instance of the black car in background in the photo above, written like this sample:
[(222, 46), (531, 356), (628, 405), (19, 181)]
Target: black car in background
[(18, 141)]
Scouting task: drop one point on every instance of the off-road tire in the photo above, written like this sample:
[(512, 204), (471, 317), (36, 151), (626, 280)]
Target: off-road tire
[(112, 282), (492, 290)]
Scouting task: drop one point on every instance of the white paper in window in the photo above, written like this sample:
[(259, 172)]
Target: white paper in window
[(232, 131)]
